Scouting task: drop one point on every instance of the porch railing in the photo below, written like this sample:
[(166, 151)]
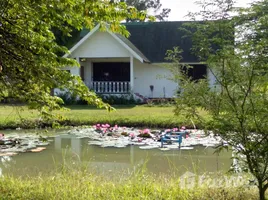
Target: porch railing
[(110, 87)]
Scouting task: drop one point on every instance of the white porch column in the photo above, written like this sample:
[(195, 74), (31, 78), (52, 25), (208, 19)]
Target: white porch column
[(76, 70), (131, 73)]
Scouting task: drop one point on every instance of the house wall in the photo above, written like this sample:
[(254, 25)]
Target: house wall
[(211, 79), (149, 74), (74, 71), (101, 45)]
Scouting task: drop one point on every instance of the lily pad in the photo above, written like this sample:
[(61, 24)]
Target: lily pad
[(38, 149), (8, 154)]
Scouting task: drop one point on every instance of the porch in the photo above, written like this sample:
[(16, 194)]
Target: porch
[(110, 87), (107, 75)]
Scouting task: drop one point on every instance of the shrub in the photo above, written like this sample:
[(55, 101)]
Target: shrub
[(123, 99)]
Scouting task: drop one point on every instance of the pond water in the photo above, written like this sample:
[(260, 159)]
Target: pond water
[(75, 151)]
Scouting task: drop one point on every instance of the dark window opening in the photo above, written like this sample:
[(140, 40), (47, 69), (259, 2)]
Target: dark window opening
[(196, 72), (111, 71)]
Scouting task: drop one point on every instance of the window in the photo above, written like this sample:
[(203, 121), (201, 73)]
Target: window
[(196, 72)]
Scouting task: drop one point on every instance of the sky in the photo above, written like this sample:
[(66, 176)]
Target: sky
[(180, 8)]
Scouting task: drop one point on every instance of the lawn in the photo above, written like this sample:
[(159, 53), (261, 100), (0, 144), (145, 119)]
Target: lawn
[(136, 116)]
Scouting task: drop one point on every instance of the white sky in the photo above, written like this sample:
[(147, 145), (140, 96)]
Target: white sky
[(180, 8)]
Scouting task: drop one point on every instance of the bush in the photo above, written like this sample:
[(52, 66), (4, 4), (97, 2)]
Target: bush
[(123, 99), (70, 99), (160, 102)]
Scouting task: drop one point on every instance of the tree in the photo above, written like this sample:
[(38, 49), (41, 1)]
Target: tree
[(145, 5), (30, 58), (237, 101)]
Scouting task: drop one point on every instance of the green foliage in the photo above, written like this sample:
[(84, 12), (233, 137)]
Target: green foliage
[(161, 102), (123, 99), (30, 58), (237, 101), (144, 5)]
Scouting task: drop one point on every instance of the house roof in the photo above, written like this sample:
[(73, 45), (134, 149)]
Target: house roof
[(85, 34), (133, 47), (151, 40)]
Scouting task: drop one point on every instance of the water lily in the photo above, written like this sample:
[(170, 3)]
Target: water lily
[(132, 134), (146, 131)]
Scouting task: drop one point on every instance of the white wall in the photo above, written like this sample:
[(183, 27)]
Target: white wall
[(146, 75), (101, 45), (211, 78), (73, 70)]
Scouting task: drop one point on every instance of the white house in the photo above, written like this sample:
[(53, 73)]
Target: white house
[(113, 64)]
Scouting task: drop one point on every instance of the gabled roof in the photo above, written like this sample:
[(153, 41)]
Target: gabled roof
[(133, 47), (122, 40), (149, 41)]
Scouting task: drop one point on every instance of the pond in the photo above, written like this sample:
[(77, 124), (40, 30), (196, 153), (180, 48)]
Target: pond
[(76, 151)]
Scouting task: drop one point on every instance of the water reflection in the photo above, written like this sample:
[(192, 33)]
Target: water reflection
[(74, 151)]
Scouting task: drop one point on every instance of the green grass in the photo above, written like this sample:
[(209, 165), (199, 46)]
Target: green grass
[(84, 185), (136, 116)]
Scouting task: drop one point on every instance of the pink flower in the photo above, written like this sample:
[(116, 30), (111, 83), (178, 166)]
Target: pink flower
[(146, 131), (107, 125), (98, 125), (116, 127), (175, 129), (167, 130), (183, 127), (131, 134)]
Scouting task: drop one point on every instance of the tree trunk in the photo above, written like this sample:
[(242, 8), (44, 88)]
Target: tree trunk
[(261, 192)]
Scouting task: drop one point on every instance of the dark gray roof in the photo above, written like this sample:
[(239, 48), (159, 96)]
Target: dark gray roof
[(151, 40), (133, 47)]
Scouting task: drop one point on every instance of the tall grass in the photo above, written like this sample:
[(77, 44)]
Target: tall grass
[(84, 185)]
